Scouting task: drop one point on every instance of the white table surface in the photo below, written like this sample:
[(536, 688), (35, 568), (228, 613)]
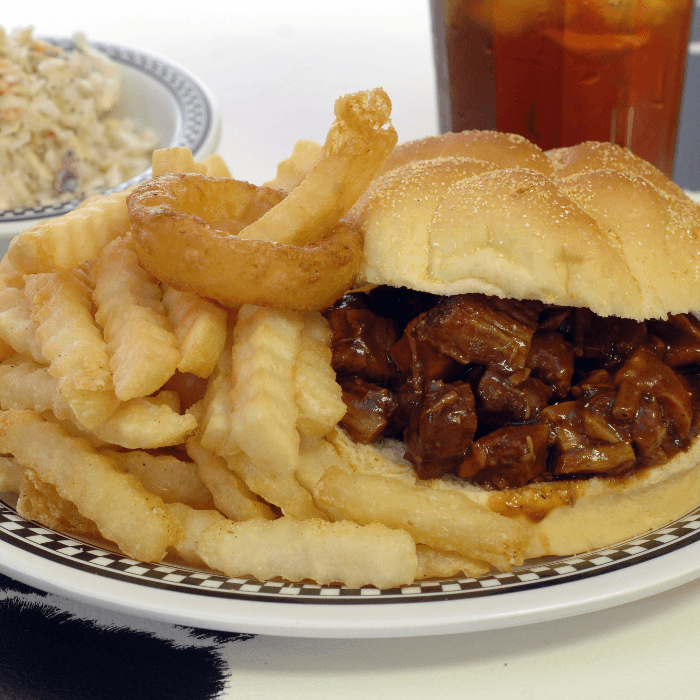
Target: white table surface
[(276, 68)]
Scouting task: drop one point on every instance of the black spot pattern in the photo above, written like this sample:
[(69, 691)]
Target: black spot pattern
[(47, 653)]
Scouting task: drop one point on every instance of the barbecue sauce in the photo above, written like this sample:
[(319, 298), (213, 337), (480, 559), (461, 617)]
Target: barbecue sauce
[(504, 393)]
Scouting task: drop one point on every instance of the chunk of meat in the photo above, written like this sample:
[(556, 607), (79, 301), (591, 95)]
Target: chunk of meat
[(586, 439), (551, 360), (608, 341), (361, 342), (480, 329), (440, 433), (681, 337), (510, 398), (653, 377), (418, 359), (648, 434), (555, 318), (409, 395), (370, 410), (596, 459), (508, 457), (627, 402), (565, 424), (583, 430)]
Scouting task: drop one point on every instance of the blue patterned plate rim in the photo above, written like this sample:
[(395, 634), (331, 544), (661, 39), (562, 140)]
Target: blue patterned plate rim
[(84, 556)]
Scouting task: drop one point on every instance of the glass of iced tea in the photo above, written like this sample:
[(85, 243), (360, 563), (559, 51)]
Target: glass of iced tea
[(564, 71)]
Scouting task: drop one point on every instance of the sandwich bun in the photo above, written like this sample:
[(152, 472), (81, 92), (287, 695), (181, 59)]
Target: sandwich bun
[(590, 226), (587, 226)]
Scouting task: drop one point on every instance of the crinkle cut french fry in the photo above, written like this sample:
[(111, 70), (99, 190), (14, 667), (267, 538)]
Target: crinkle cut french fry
[(61, 306), (24, 384), (177, 159), (317, 394), (72, 342), (83, 273), (6, 350), (230, 493), (142, 347), (11, 475), (216, 166), (146, 424), (435, 564), (122, 509), (17, 328), (214, 410), (200, 328), (316, 455), (445, 520), (283, 491), (170, 478), (41, 502), (385, 460), (341, 552), (10, 276), (74, 429), (215, 425), (264, 417), (69, 240), (292, 171), (193, 522), (166, 397), (90, 407)]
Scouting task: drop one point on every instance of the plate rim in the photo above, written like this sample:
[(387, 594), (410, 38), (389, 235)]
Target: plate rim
[(669, 567)]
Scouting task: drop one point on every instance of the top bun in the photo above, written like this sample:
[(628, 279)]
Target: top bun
[(591, 225)]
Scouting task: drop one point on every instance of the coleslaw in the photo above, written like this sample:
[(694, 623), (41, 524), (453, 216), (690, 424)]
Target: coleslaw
[(58, 140)]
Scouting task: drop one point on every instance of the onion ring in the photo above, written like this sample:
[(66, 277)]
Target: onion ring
[(186, 230), (358, 143)]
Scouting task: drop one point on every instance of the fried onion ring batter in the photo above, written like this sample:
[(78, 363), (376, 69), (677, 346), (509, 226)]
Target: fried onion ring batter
[(241, 244), (186, 225)]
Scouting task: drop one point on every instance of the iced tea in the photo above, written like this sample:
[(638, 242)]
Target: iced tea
[(564, 71)]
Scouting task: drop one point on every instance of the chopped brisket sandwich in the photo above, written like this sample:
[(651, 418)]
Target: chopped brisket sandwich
[(526, 330)]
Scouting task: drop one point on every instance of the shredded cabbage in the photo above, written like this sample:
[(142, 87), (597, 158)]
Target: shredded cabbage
[(57, 138)]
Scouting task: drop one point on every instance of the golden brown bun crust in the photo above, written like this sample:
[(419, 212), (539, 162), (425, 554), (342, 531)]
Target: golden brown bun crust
[(593, 156), (591, 225), (501, 150), (579, 516)]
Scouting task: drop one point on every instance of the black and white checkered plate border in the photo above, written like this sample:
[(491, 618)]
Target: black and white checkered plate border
[(196, 117), (86, 557)]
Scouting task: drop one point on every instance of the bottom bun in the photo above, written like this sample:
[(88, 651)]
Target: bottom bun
[(564, 517)]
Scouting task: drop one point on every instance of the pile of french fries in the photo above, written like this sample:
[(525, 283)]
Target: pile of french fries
[(174, 427)]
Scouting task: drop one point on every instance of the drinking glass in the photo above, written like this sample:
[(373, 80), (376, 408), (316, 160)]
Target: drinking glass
[(560, 72)]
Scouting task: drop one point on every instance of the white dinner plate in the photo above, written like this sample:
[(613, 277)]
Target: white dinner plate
[(546, 590)]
